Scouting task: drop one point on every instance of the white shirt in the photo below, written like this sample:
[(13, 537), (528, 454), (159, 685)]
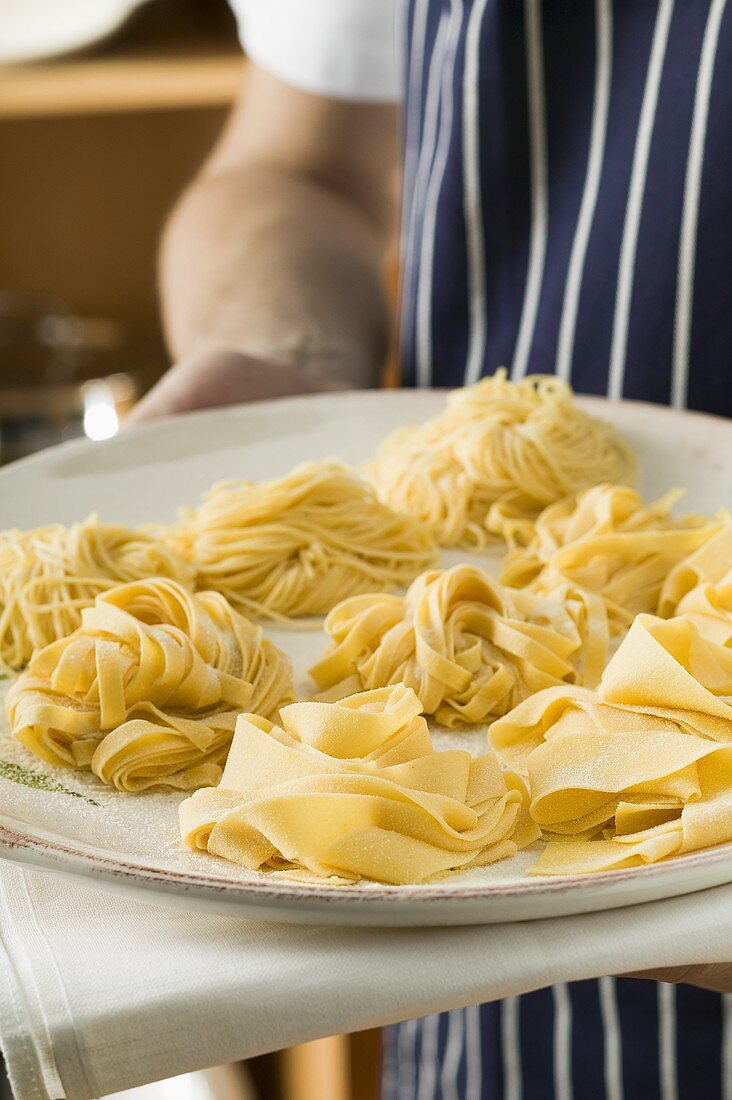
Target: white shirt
[(343, 49)]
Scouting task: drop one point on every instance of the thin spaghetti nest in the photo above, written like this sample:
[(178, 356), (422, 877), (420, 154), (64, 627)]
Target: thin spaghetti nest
[(298, 545), (50, 574), (498, 455)]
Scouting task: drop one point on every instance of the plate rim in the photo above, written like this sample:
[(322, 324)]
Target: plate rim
[(54, 854)]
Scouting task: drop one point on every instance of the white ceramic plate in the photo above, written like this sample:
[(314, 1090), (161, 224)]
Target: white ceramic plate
[(69, 823), (31, 30)]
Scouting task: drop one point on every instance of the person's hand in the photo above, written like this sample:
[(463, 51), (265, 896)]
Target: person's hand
[(714, 976), (211, 379)]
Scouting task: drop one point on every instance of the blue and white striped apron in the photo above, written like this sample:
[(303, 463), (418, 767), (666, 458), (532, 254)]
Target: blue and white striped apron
[(568, 172)]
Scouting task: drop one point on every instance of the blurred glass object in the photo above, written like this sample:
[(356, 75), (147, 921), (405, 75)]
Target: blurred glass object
[(100, 411), (61, 376)]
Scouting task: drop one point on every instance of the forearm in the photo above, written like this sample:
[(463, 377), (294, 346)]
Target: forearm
[(280, 268)]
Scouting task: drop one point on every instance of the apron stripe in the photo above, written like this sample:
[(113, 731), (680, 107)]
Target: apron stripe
[(453, 1054), (667, 1040), (407, 1073), (601, 103), (613, 1042), (562, 1043), (690, 216), (414, 79), (511, 1048), (539, 200), (414, 37), (426, 155), (634, 206), (414, 74), (429, 1058), (473, 1054), (472, 196), (429, 219)]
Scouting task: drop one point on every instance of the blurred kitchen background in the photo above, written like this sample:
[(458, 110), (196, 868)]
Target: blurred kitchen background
[(107, 107)]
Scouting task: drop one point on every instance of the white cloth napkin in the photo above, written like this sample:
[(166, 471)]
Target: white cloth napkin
[(98, 993)]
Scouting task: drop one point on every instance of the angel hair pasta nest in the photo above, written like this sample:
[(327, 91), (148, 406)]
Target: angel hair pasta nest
[(498, 454), (296, 546), (147, 691), (50, 574)]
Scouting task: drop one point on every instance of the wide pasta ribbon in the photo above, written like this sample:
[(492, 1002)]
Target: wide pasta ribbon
[(645, 762), (469, 648), (673, 795), (355, 790), (709, 608), (146, 692), (606, 541), (709, 567)]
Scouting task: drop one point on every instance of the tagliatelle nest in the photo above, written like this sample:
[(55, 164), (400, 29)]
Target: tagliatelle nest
[(147, 691), (609, 543), (469, 648)]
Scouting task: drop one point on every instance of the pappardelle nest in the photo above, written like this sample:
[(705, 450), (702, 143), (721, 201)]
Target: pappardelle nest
[(351, 790)]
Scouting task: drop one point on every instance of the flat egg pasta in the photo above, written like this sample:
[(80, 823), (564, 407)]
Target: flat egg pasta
[(709, 565), (50, 574), (608, 542), (645, 826), (639, 770), (499, 453), (296, 546), (147, 690), (351, 790), (709, 608), (469, 648)]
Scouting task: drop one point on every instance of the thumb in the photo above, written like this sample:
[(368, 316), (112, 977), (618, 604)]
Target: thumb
[(199, 381)]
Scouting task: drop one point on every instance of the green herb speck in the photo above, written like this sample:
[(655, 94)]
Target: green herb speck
[(16, 773)]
